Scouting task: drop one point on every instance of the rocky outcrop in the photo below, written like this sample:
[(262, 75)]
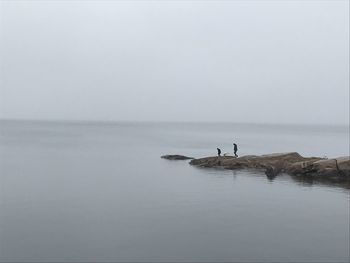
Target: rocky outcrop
[(331, 168), (176, 157), (253, 161), (337, 169)]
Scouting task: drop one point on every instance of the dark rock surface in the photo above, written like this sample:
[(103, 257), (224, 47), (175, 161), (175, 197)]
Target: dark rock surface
[(176, 157), (336, 170)]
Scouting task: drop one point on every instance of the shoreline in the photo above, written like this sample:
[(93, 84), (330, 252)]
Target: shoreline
[(333, 170)]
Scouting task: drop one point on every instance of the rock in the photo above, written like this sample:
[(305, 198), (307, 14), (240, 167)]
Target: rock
[(272, 171), (311, 169), (277, 160), (212, 161), (176, 157), (337, 169), (333, 167), (303, 167), (325, 168), (344, 162)]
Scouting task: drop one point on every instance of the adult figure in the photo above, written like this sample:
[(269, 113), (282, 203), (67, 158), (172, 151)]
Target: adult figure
[(219, 151), (235, 149)]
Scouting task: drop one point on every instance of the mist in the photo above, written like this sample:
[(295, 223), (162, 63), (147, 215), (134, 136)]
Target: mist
[(215, 61)]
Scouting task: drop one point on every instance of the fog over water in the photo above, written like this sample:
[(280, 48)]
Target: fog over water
[(233, 61), (92, 93), (101, 192)]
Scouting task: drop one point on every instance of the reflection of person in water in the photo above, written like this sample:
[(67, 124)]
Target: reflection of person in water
[(219, 151), (235, 148)]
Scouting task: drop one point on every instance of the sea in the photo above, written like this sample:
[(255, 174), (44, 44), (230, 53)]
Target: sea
[(99, 192)]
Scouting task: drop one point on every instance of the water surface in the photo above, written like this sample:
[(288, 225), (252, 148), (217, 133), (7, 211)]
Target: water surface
[(100, 192)]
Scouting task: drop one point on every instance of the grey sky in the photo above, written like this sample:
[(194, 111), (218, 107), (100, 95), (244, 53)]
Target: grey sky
[(234, 61)]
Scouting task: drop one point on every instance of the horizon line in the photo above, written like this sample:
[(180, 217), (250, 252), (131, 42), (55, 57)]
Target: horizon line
[(81, 121)]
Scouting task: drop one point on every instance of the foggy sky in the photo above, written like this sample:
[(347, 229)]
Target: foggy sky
[(231, 61)]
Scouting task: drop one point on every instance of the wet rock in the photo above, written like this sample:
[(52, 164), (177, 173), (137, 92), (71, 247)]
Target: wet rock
[(337, 169), (326, 168), (176, 157)]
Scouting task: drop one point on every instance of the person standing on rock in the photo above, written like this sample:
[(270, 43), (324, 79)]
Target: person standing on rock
[(235, 149), (219, 151)]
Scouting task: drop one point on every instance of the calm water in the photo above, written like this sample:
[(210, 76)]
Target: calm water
[(100, 192)]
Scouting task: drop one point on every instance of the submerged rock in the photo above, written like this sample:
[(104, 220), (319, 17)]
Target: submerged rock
[(176, 157)]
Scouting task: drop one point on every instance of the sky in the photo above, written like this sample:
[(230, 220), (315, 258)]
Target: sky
[(206, 61)]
